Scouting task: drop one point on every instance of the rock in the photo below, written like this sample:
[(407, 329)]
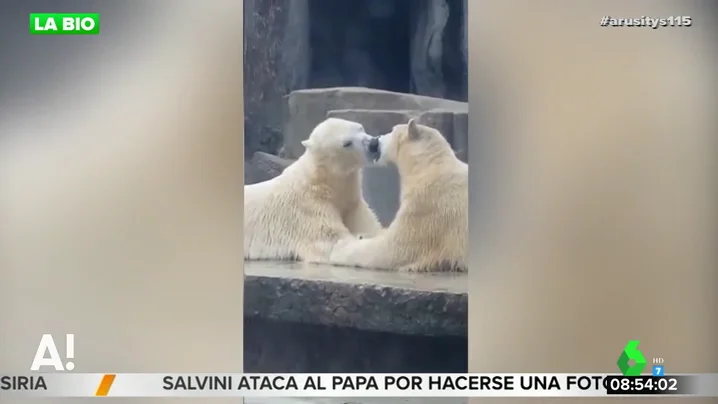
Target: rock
[(263, 167), (441, 120), (376, 122), (418, 47), (465, 33), (275, 346), (301, 317), (396, 302), (460, 141), (306, 108), (439, 48), (427, 48), (296, 50), (276, 61), (251, 175)]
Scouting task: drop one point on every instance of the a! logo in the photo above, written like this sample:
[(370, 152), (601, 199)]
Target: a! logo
[(47, 344), (631, 353)]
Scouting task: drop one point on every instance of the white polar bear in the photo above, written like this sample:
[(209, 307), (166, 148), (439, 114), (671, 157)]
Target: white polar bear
[(430, 230), (315, 202)]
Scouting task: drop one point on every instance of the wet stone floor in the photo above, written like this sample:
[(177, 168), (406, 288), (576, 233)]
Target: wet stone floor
[(449, 282)]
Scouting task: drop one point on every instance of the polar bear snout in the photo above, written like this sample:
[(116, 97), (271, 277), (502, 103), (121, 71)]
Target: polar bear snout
[(374, 145), (374, 149)]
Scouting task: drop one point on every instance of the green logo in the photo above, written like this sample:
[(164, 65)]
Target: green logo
[(64, 24), (631, 353)]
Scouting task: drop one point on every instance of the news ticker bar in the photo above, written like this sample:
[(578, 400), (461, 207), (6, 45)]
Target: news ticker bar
[(353, 385)]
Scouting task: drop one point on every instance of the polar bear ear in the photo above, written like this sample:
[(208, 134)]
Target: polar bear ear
[(307, 143), (413, 130)]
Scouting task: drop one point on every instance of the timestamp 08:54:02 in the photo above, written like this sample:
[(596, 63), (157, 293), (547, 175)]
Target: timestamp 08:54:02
[(647, 385)]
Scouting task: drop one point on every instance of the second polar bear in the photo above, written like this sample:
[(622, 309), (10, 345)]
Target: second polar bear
[(430, 230), (315, 202)]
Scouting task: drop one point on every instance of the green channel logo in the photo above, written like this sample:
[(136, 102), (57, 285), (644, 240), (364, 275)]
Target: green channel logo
[(64, 24), (631, 353)]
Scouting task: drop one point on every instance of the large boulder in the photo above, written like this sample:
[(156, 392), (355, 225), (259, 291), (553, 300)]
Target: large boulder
[(263, 166), (306, 108)]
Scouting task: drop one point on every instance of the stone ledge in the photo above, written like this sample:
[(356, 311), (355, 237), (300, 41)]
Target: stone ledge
[(402, 303)]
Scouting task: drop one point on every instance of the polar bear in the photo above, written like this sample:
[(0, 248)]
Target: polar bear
[(316, 202), (429, 232)]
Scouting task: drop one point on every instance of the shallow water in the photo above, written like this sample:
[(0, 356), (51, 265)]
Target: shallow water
[(445, 282)]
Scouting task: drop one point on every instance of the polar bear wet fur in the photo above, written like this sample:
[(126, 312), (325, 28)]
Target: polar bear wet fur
[(315, 202), (429, 232)]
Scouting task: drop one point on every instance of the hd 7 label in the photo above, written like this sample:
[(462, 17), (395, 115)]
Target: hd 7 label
[(64, 24)]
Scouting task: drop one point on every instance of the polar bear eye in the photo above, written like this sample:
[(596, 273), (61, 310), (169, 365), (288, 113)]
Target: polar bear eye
[(348, 143)]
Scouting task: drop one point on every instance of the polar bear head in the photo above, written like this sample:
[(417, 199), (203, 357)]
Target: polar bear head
[(339, 144), (409, 144)]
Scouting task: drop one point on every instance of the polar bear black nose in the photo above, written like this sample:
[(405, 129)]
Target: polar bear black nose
[(374, 145)]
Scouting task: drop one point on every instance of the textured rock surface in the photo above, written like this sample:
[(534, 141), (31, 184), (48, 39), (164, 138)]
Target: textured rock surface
[(460, 141), (263, 167), (290, 347), (276, 61), (360, 43), (318, 318), (375, 121), (410, 46), (427, 48), (419, 304)]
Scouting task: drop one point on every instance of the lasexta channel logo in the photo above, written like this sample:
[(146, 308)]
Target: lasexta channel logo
[(631, 353)]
